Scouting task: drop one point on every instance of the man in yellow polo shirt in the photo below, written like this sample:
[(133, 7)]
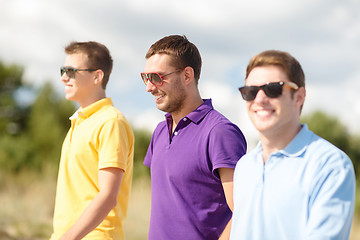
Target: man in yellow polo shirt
[(96, 162)]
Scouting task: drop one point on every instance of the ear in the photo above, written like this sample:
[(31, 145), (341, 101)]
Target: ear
[(189, 75), (300, 96), (98, 76)]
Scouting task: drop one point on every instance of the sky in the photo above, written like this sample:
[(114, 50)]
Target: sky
[(324, 35)]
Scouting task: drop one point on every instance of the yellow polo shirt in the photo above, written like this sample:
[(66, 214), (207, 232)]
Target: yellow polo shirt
[(99, 137)]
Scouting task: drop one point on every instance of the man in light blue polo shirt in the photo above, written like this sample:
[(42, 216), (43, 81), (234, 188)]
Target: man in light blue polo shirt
[(294, 184)]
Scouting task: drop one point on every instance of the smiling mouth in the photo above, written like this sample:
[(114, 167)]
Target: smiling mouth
[(264, 113), (68, 88), (158, 96)]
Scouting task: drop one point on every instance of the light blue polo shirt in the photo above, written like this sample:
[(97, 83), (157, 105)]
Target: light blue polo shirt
[(305, 191)]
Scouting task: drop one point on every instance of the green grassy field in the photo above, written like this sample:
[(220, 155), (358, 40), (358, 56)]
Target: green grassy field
[(27, 201)]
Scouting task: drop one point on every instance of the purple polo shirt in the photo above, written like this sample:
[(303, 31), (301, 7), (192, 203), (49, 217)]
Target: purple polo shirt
[(187, 198)]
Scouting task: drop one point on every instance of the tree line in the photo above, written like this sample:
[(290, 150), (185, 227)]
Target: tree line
[(31, 133)]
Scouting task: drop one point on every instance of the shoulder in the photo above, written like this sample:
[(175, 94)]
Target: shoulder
[(251, 156), (218, 124), (214, 116), (325, 161), (216, 120), (110, 119), (249, 164), (323, 150), (111, 113), (160, 128)]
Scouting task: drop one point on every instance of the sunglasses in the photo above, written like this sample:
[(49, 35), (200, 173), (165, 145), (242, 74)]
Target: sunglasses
[(155, 78), (70, 71), (272, 90)]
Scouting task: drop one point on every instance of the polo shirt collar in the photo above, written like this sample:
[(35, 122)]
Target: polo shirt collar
[(299, 143), (89, 110), (296, 147)]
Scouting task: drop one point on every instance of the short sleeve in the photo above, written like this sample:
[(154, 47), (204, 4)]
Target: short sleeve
[(149, 153), (332, 198), (227, 145), (115, 144)]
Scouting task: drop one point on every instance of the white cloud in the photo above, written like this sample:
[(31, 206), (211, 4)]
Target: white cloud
[(323, 35)]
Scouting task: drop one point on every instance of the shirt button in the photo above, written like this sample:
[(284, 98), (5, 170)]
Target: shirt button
[(175, 133), (185, 119)]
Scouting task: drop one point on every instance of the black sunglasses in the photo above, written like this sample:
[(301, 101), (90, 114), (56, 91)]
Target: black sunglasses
[(155, 78), (70, 71), (272, 90)]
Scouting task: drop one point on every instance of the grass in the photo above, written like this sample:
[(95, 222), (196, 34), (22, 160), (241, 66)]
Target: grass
[(27, 205), (27, 202), (137, 222)]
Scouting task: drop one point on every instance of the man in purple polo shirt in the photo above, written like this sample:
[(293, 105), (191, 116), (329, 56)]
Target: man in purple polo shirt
[(193, 153)]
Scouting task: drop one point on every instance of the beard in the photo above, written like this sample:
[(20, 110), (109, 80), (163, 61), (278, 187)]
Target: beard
[(174, 98)]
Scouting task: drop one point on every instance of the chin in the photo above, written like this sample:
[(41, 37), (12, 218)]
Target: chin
[(262, 125), (68, 97), (161, 107)]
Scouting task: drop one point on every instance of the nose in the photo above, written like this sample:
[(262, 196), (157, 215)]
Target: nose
[(150, 87), (260, 96), (64, 78)]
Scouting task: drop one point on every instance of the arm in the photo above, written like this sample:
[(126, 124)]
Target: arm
[(109, 183), (226, 176), (332, 202)]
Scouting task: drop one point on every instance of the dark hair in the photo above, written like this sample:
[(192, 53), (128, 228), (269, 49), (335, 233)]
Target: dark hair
[(98, 57), (182, 51), (284, 60)]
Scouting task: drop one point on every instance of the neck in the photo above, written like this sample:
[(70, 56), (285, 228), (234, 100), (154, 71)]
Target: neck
[(188, 107), (94, 98), (274, 142)]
